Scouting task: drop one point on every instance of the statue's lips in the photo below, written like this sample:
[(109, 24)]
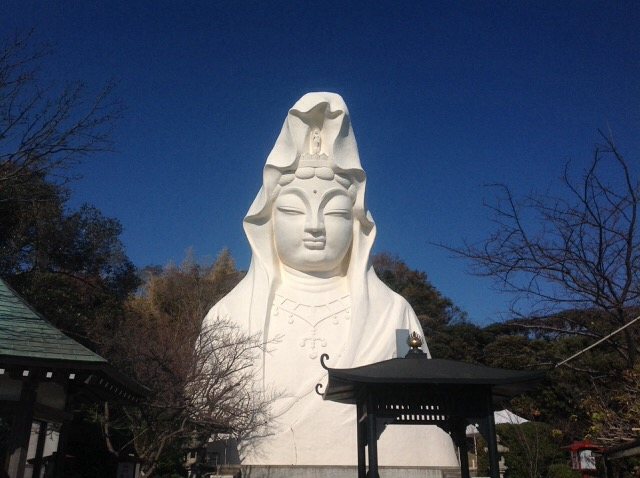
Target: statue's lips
[(314, 243)]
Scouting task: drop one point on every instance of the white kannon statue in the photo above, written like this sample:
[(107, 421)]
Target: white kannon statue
[(310, 290)]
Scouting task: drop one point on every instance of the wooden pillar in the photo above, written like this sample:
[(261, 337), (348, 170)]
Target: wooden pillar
[(492, 440), (58, 470), (21, 431), (37, 460), (608, 467), (459, 435), (361, 427), (372, 438)]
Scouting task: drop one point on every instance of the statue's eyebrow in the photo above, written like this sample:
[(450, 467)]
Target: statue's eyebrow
[(328, 195), (297, 192)]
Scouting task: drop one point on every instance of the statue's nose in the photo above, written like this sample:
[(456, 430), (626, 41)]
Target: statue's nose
[(314, 224)]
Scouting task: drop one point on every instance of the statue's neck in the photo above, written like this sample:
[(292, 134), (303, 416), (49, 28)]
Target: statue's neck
[(311, 281)]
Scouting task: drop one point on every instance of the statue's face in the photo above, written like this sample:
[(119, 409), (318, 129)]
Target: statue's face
[(313, 224)]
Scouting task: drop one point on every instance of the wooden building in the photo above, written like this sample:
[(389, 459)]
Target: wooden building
[(417, 390), (42, 372)]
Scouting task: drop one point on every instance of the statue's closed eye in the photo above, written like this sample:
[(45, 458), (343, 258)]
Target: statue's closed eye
[(345, 213), (290, 210)]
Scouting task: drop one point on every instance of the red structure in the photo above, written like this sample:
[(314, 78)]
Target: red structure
[(583, 458)]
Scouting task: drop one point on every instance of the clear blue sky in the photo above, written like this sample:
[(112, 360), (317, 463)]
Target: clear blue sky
[(445, 97)]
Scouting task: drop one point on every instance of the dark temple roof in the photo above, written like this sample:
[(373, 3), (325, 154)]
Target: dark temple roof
[(27, 339), (25, 333), (344, 384)]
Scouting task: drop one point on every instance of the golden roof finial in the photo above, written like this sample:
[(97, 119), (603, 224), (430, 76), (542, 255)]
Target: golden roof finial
[(415, 342)]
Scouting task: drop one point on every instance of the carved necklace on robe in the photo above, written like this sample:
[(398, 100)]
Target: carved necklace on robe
[(337, 311)]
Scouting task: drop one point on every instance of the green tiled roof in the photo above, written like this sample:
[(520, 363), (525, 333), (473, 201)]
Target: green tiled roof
[(26, 334)]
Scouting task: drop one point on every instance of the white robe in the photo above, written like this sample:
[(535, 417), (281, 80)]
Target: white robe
[(310, 431)]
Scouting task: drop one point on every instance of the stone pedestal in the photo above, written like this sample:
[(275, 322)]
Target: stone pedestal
[(279, 471)]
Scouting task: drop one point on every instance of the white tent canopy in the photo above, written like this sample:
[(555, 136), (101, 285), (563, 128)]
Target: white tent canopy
[(501, 416)]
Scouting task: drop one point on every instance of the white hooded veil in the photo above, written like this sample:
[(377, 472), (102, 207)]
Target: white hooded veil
[(377, 312)]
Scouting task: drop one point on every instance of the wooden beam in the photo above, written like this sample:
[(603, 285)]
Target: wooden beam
[(633, 451)]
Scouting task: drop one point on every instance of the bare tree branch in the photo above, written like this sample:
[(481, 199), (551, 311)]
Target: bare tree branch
[(202, 378), (577, 251), (45, 130)]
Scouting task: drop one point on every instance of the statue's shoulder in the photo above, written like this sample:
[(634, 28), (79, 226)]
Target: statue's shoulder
[(392, 305), (383, 294), (403, 310), (234, 306)]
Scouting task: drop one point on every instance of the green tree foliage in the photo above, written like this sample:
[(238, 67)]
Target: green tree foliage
[(429, 304), (558, 401), (445, 325), (561, 470), (512, 345), (462, 341), (615, 412), (532, 449), (571, 391), (70, 265)]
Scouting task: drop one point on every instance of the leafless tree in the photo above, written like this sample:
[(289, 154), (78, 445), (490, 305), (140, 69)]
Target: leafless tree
[(577, 251), (208, 391), (201, 378), (45, 130)]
